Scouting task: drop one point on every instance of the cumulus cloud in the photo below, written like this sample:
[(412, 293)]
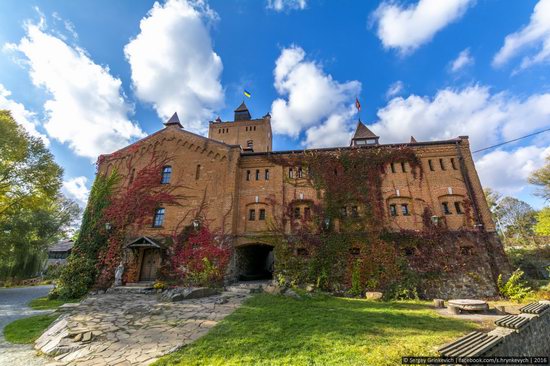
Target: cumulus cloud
[(311, 100), (408, 27), (395, 89), (487, 118), (463, 60), (280, 5), (535, 36), (85, 107), (507, 171), (183, 73), (76, 189), (22, 116)]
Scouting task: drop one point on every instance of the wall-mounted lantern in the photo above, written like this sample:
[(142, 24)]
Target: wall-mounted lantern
[(108, 226), (435, 220), (196, 224), (327, 223)]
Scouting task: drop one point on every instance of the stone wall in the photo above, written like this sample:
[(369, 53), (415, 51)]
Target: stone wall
[(523, 335)]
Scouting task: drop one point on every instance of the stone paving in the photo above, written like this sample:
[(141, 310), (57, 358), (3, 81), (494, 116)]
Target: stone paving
[(131, 329)]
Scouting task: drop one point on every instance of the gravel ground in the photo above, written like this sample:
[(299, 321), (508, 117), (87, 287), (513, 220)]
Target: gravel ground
[(13, 305)]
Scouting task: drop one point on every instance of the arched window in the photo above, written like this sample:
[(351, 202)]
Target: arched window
[(158, 220), (166, 174)]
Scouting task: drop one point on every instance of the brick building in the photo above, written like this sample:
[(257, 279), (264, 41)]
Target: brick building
[(233, 173)]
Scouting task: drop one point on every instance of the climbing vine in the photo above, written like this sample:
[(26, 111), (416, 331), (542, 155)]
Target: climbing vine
[(341, 251)]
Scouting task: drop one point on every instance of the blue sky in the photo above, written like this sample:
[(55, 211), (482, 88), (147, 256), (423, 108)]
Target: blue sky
[(90, 77)]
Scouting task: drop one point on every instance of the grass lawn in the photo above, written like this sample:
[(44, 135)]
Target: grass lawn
[(27, 330), (43, 303), (276, 330)]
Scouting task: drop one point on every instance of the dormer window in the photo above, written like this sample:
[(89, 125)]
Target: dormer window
[(363, 136)]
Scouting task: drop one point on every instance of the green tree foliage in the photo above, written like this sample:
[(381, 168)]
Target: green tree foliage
[(515, 219), (541, 178), (515, 288), (542, 226), (33, 214)]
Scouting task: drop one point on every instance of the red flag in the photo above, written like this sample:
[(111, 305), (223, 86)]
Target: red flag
[(357, 104)]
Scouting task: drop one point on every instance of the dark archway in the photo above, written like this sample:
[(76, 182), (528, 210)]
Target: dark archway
[(255, 262)]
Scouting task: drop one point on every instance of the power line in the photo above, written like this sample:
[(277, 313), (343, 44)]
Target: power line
[(509, 141)]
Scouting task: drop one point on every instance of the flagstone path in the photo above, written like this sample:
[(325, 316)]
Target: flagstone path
[(131, 329)]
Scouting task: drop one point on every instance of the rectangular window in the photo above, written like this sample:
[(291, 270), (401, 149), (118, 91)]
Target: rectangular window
[(392, 165), (262, 214), (393, 210), (441, 164), (257, 174), (296, 212), (248, 175), (158, 220), (453, 163), (403, 167), (290, 173), (307, 213), (458, 208), (251, 215), (198, 172), (343, 212), (405, 209), (431, 165), (299, 172), (445, 206), (354, 211), (267, 174), (166, 174)]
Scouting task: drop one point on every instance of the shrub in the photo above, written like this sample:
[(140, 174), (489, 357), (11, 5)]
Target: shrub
[(53, 271), (356, 288), (515, 288), (77, 277)]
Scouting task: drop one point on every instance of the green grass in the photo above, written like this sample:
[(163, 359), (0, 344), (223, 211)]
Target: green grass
[(43, 303), (276, 330), (27, 330)]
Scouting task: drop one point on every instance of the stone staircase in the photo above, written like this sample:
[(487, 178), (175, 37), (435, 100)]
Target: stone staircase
[(248, 287)]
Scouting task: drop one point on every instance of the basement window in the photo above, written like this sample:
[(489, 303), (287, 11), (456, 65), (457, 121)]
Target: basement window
[(251, 215), (262, 214), (297, 212), (445, 206), (405, 209)]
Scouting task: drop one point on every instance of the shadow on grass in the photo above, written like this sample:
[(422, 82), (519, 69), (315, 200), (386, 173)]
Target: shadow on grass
[(279, 330)]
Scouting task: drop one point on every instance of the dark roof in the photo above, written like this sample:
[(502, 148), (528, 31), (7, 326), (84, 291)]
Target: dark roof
[(242, 108), (397, 145), (145, 242), (174, 120), (62, 246), (413, 140), (362, 132)]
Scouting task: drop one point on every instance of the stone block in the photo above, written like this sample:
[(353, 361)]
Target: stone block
[(373, 295)]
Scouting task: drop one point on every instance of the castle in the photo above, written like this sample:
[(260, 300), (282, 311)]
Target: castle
[(236, 177)]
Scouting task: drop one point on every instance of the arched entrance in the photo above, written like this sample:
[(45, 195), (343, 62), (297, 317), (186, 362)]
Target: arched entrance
[(254, 262)]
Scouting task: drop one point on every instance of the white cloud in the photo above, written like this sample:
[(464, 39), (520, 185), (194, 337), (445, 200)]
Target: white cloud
[(464, 59), (280, 5), (395, 89), (487, 118), (507, 171), (408, 27), (76, 189), (535, 36), (182, 74), (311, 100), (85, 107), (22, 116)]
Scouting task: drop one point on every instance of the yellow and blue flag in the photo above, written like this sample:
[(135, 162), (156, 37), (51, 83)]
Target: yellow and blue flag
[(247, 93)]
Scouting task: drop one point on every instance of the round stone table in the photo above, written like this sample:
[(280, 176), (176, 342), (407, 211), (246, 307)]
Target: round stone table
[(455, 306)]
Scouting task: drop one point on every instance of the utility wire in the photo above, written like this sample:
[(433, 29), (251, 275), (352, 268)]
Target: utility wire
[(509, 141)]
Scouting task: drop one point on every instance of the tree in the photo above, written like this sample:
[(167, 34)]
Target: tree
[(33, 214), (541, 178), (542, 226), (493, 197)]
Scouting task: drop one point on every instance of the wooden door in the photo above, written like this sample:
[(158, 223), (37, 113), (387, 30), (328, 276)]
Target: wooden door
[(149, 265)]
